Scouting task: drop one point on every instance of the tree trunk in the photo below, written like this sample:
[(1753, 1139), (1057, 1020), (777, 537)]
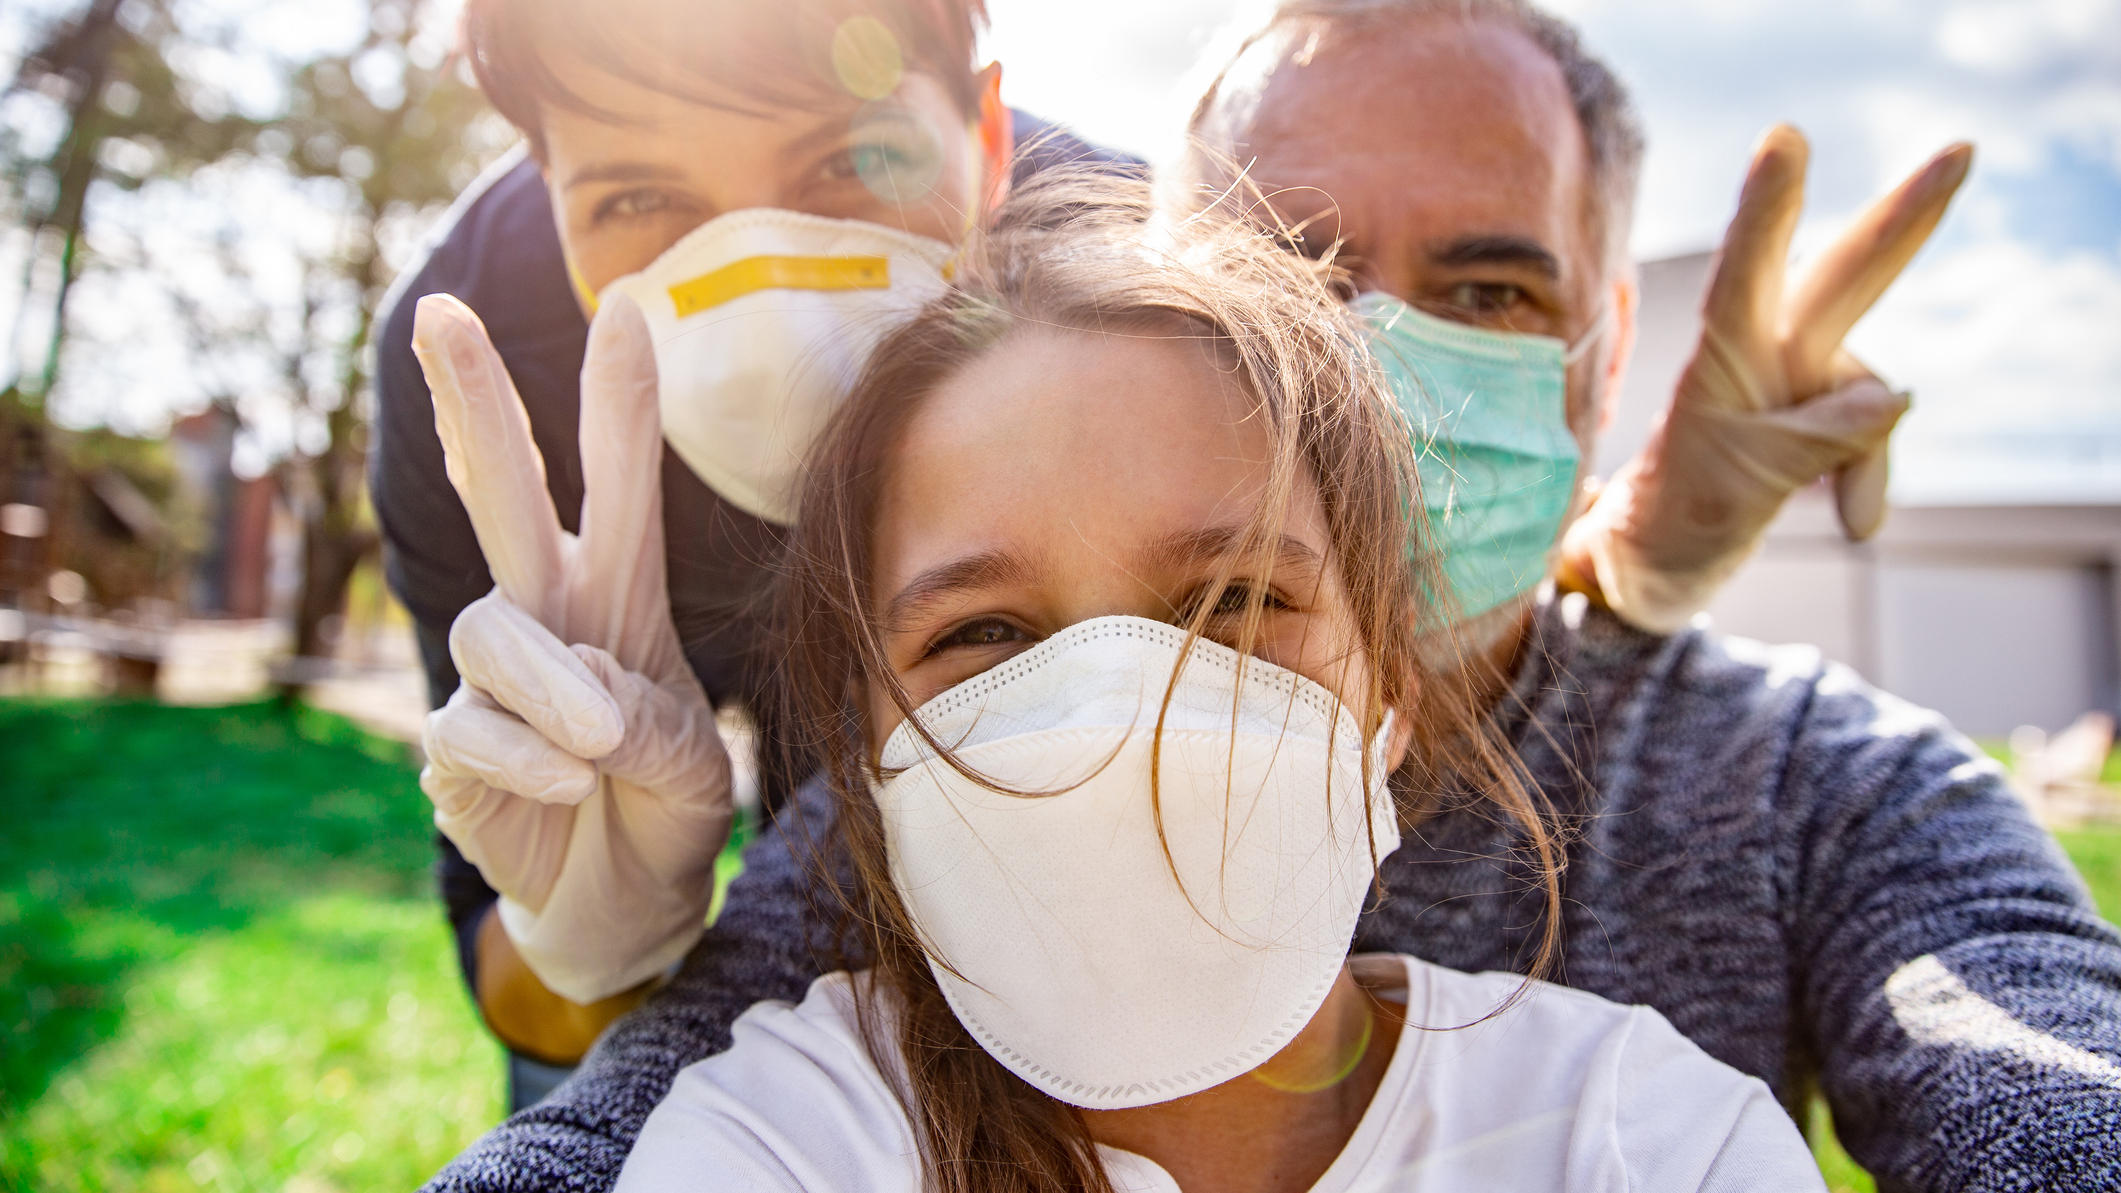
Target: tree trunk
[(329, 557)]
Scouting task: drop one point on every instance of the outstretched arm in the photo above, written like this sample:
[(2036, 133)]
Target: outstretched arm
[(1963, 997)]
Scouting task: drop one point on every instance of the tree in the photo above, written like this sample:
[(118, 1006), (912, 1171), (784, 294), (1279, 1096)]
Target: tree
[(260, 232)]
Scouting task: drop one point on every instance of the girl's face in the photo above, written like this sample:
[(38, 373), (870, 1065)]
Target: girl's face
[(1066, 475)]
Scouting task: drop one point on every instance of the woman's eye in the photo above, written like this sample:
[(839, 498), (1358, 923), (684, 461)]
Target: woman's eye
[(897, 163), (985, 632), (869, 162), (632, 205)]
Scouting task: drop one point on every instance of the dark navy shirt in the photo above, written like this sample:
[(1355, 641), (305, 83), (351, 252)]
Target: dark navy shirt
[(499, 251)]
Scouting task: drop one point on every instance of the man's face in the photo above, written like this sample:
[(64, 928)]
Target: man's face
[(1446, 154), (630, 182)]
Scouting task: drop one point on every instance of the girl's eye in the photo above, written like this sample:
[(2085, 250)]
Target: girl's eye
[(1239, 596), (633, 204), (986, 632)]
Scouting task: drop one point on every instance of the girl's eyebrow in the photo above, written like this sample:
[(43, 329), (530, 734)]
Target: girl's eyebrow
[(981, 569), (1218, 542)]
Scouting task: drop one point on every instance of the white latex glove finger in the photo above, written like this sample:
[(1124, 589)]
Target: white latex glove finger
[(1657, 563), (522, 667), (1854, 272), (1768, 404), (620, 600), (476, 740), (603, 894), (672, 745), (491, 457), (1860, 493), (1745, 291)]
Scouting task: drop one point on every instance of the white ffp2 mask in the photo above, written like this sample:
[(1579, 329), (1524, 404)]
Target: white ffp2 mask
[(762, 320), (1079, 956)]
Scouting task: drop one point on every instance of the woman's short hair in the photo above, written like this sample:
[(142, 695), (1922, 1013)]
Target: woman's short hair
[(734, 54)]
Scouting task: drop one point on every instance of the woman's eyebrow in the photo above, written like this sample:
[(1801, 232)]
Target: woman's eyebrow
[(982, 569), (622, 171), (1219, 542)]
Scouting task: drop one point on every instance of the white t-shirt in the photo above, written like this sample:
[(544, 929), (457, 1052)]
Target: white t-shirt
[(1563, 1092)]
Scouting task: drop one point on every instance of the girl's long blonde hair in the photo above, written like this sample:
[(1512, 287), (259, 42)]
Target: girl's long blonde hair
[(1087, 253)]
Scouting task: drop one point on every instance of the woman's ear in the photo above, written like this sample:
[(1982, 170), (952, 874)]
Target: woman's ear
[(997, 137)]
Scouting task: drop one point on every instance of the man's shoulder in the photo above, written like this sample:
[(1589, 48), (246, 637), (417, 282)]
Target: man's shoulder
[(1710, 678), (1784, 720)]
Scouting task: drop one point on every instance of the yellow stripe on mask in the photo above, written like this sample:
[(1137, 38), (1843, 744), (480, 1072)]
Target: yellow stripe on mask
[(754, 274)]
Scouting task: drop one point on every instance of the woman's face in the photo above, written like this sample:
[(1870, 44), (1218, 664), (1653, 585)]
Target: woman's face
[(1069, 475), (630, 182)]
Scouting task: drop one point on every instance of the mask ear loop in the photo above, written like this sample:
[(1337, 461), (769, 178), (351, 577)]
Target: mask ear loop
[(1590, 337)]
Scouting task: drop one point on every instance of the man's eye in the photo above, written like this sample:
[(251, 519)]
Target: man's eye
[(632, 205), (1485, 298), (985, 632)]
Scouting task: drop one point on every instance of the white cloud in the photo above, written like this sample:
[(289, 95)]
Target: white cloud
[(2019, 36), (2004, 336)]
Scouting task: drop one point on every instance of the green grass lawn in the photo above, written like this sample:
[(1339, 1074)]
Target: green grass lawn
[(223, 967), (222, 964)]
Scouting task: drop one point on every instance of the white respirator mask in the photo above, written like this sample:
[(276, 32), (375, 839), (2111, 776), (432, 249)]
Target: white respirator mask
[(762, 320), (1103, 972)]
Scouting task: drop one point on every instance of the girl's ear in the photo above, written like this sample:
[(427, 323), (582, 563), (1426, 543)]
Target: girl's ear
[(997, 137), (1401, 743)]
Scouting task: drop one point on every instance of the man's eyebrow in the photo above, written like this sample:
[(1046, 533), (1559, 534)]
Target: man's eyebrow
[(623, 171), (982, 569), (1496, 250), (1220, 542)]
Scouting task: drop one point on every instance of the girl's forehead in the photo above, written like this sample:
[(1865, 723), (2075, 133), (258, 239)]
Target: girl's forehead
[(1061, 443)]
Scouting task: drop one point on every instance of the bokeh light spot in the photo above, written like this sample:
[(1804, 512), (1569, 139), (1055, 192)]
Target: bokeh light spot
[(866, 57)]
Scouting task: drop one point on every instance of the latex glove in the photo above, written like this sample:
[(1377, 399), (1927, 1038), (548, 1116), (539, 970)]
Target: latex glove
[(1769, 403), (578, 765)]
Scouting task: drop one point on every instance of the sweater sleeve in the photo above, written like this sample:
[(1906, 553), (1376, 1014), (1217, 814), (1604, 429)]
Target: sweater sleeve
[(1961, 993), (769, 943)]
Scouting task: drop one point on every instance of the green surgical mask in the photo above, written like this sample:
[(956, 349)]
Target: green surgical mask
[(1498, 463)]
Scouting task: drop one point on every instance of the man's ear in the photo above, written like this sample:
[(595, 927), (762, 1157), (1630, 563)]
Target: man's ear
[(1627, 300), (997, 137)]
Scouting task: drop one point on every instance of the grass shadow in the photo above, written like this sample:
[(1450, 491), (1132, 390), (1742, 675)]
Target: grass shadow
[(136, 830)]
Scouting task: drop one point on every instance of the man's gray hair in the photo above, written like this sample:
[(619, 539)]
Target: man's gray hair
[(1611, 128)]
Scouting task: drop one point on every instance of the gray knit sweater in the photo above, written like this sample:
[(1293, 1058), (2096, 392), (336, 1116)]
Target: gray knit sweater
[(1819, 884)]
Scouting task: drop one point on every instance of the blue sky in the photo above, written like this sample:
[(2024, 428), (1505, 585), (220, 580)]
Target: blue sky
[(2008, 328)]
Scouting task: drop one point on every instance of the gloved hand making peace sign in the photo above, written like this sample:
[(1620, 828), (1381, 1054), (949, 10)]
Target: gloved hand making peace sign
[(1770, 402), (578, 765)]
